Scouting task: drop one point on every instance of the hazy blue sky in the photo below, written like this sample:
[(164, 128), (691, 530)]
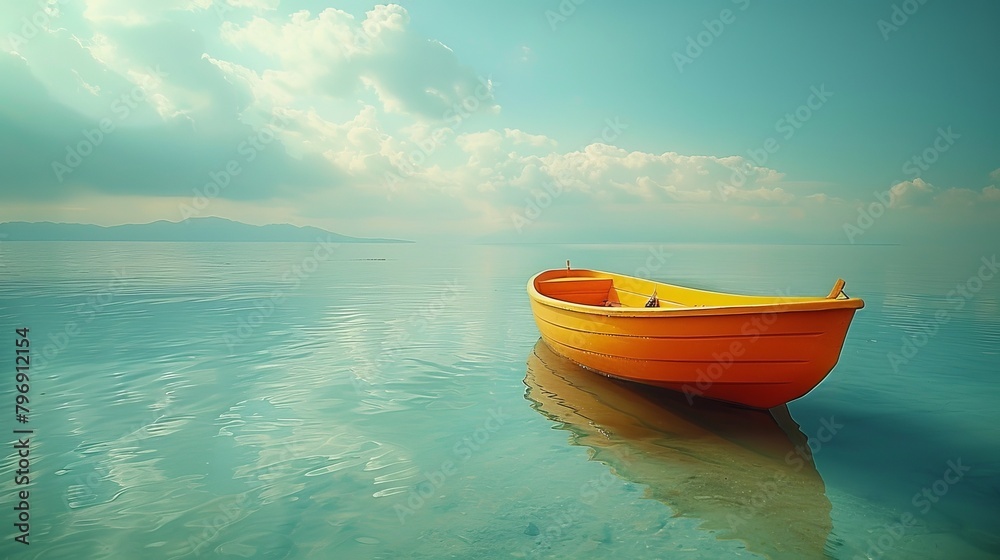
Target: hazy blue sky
[(515, 121)]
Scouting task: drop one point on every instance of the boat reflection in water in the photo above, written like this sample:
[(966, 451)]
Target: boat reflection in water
[(748, 474)]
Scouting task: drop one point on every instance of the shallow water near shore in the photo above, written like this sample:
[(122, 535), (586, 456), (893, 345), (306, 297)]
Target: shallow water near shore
[(259, 400)]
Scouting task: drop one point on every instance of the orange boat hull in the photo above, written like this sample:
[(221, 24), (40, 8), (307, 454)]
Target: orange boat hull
[(757, 351)]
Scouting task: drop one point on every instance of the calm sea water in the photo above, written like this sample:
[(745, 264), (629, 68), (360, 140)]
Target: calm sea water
[(391, 401)]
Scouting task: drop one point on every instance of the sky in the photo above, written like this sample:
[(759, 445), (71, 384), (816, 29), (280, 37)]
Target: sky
[(864, 121)]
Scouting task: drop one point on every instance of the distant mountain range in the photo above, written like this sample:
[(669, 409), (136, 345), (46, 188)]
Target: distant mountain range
[(192, 229)]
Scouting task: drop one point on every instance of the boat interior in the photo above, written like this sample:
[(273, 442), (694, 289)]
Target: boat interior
[(595, 291), (587, 287)]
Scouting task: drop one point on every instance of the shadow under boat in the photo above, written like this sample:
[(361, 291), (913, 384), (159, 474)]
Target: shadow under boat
[(747, 474)]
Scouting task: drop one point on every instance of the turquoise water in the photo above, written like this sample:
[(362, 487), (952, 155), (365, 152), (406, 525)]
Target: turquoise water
[(391, 401)]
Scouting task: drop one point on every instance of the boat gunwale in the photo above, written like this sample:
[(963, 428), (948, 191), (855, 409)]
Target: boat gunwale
[(811, 303)]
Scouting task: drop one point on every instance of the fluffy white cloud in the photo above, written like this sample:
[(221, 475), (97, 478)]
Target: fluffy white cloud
[(149, 84), (265, 90), (484, 148), (910, 193), (357, 147), (969, 197), (536, 140), (504, 167), (130, 12), (257, 5), (921, 193), (334, 55), (761, 195), (822, 198)]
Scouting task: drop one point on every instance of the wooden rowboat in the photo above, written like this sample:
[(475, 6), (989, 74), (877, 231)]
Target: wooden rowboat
[(757, 351)]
